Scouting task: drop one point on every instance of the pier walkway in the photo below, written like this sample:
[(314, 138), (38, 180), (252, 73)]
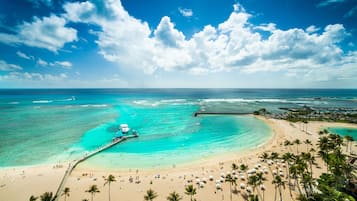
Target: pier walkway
[(74, 163), (220, 113)]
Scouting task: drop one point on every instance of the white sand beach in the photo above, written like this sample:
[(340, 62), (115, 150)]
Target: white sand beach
[(19, 183)]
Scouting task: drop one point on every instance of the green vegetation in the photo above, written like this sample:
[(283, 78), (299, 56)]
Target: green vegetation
[(150, 195), (108, 181), (93, 189), (191, 191), (174, 197), (66, 192)]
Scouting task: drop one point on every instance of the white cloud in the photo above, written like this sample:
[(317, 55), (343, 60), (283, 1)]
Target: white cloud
[(24, 56), (42, 62), (64, 64), (234, 45), (186, 12), (312, 29), (26, 76), (8, 67), (329, 2), (49, 33), (167, 34), (267, 27)]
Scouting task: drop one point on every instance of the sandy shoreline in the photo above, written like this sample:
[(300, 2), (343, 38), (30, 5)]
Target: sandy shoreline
[(19, 183)]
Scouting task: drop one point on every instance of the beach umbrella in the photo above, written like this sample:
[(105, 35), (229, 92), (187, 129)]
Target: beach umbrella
[(202, 184), (218, 181), (218, 186), (211, 178), (262, 187), (204, 180), (249, 189), (222, 179), (198, 181), (242, 185), (274, 172), (234, 172), (222, 174), (242, 177)]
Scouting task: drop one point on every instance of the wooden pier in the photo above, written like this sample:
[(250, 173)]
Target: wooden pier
[(220, 113), (74, 163)]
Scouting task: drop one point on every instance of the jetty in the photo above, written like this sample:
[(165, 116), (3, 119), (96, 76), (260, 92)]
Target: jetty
[(74, 163), (220, 113)]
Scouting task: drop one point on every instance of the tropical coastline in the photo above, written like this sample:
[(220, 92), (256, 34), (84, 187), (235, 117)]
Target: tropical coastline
[(132, 184)]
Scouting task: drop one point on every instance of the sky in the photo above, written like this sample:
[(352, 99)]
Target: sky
[(178, 44)]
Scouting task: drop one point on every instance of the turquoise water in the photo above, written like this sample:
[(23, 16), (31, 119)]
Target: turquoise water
[(343, 131), (47, 126)]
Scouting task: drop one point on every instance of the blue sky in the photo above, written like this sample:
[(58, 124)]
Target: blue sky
[(178, 43)]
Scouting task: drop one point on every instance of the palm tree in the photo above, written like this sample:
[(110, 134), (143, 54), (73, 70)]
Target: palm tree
[(93, 189), (33, 198), (274, 155), (234, 166), (307, 182), (288, 157), (66, 193), (278, 184), (253, 181), (231, 180), (174, 197), (243, 167), (297, 142), (47, 196), (109, 180), (307, 142), (287, 143), (253, 198), (150, 195), (191, 191), (264, 156)]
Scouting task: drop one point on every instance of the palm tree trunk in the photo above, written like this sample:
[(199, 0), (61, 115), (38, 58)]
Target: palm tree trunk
[(275, 194), (231, 191), (281, 196), (92, 196), (289, 179), (298, 185), (109, 191)]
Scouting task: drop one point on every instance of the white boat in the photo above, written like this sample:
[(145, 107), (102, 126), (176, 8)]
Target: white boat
[(124, 128)]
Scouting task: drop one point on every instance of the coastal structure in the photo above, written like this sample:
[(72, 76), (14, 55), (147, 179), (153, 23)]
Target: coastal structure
[(74, 163)]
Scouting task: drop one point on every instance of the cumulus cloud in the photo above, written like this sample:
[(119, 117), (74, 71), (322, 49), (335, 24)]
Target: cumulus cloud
[(167, 34), (234, 44), (186, 12), (24, 56), (49, 33), (4, 66)]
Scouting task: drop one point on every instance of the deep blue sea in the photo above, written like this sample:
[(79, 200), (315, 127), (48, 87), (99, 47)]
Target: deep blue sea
[(40, 126)]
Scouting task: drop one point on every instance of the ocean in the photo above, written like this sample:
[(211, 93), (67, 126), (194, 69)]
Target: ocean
[(44, 126)]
